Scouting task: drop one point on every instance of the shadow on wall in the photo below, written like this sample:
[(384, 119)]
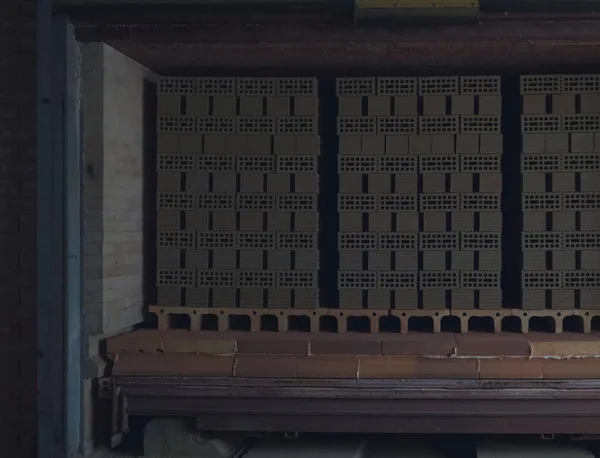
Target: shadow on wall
[(149, 199)]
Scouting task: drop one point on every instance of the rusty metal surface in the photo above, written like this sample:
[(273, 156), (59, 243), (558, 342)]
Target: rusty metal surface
[(327, 23), (315, 29), (420, 406)]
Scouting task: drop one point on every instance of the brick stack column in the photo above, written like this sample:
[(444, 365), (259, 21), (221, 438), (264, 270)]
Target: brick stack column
[(377, 199), (460, 203), (237, 184), (420, 192), (561, 191)]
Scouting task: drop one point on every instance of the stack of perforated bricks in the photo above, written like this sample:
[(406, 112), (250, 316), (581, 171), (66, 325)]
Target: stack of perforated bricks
[(420, 192), (237, 180), (560, 167)]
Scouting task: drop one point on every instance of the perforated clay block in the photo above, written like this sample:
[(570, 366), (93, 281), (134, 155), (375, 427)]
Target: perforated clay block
[(378, 299), (562, 299), (442, 240), (297, 240), (463, 299), (434, 221), (196, 297), (352, 222), (380, 222), (434, 260), (434, 182), (407, 260), (363, 241), (534, 299), (217, 278), (169, 296), (438, 85), (490, 260), (439, 163), (379, 260), (168, 257), (541, 84), (397, 85), (534, 260), (356, 86), (350, 299), (306, 298), (463, 260), (590, 299), (357, 280), (490, 299), (434, 299), (279, 298), (351, 260)]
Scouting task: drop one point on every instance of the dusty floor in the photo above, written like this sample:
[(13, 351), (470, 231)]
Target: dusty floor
[(353, 446)]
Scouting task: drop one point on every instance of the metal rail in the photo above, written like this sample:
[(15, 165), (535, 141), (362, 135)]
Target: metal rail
[(417, 406)]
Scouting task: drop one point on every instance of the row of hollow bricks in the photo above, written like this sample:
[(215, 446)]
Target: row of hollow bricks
[(439, 345), (282, 315), (355, 367)]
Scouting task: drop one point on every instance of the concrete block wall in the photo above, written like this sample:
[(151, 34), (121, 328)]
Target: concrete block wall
[(237, 176), (115, 102), (560, 182), (116, 95), (419, 192)]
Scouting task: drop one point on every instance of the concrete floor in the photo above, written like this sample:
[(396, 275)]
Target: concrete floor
[(377, 447)]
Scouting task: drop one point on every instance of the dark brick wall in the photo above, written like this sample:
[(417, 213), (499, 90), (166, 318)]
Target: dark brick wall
[(17, 229)]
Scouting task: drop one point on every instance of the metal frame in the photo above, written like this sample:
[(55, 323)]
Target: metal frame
[(390, 406), (59, 242), (417, 406)]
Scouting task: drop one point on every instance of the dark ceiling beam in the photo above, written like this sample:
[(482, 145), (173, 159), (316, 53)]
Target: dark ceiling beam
[(177, 17), (337, 11), (172, 40), (162, 11), (316, 29), (357, 59), (563, 6)]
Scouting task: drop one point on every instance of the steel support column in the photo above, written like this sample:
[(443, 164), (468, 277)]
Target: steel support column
[(59, 238)]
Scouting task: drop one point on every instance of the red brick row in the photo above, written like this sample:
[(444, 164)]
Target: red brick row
[(471, 345), (355, 367)]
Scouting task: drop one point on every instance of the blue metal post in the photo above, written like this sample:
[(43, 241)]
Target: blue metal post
[(59, 238), (49, 244)]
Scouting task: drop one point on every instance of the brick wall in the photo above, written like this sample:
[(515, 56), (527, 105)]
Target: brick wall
[(17, 228)]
